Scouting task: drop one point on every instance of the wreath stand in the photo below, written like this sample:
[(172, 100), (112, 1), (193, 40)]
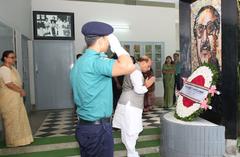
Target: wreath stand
[(198, 138)]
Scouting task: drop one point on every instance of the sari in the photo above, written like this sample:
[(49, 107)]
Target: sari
[(12, 110), (168, 84)]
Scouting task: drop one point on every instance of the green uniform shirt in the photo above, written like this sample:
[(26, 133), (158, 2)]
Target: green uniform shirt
[(92, 85)]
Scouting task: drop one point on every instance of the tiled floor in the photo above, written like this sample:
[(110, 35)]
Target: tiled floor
[(62, 122)]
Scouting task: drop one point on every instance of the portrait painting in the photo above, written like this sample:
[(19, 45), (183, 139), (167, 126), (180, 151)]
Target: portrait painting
[(206, 37)]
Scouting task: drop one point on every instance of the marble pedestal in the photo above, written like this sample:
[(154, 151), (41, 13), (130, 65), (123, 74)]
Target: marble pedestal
[(199, 138)]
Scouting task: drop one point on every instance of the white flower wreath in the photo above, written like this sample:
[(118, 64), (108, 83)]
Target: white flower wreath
[(203, 77)]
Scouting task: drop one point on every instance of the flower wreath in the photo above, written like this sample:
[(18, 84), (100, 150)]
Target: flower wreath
[(204, 77)]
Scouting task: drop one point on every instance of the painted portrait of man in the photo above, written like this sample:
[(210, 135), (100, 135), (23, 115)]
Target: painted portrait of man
[(206, 35)]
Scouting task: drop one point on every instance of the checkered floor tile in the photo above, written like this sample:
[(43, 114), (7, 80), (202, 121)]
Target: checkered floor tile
[(62, 122)]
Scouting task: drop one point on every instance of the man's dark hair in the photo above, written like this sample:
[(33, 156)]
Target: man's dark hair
[(5, 54), (176, 54), (78, 55), (133, 59), (215, 13), (91, 39)]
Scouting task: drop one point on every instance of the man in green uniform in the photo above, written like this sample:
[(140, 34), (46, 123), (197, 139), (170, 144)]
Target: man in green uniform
[(92, 88)]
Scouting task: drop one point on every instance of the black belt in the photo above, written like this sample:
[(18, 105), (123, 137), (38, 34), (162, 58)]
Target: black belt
[(100, 121)]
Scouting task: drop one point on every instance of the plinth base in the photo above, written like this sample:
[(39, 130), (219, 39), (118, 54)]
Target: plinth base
[(199, 138)]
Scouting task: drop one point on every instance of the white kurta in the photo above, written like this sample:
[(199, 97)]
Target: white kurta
[(127, 117)]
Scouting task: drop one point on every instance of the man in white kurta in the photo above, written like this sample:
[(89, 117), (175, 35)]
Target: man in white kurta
[(128, 114)]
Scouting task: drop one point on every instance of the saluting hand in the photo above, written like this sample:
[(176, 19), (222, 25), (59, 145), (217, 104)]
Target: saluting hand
[(115, 45)]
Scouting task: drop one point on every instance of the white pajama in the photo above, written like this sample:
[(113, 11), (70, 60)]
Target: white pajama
[(130, 142), (129, 120)]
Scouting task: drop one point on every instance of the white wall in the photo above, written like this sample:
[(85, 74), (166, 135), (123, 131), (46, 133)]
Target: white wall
[(17, 14), (146, 23)]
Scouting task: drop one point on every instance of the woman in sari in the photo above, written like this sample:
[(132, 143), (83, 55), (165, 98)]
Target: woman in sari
[(168, 71), (12, 110)]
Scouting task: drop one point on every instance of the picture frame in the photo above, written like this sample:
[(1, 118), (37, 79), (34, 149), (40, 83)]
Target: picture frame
[(53, 25)]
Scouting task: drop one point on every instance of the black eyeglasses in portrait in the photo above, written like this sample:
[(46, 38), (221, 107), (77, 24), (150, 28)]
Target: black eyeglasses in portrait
[(211, 28)]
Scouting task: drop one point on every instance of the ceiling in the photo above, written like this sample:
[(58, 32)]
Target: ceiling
[(155, 3)]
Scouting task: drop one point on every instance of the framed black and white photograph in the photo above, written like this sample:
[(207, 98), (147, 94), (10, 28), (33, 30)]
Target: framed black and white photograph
[(53, 25)]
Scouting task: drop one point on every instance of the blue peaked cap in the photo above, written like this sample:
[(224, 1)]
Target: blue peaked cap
[(96, 28)]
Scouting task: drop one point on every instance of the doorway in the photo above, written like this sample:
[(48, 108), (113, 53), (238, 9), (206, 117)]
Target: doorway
[(53, 61), (25, 70)]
